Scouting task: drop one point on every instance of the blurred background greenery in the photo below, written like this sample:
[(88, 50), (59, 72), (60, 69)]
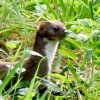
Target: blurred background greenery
[(19, 20)]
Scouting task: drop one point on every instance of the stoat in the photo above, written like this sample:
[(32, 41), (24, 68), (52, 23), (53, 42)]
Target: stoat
[(47, 39)]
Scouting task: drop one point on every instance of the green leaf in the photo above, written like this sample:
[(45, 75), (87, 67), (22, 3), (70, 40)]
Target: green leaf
[(12, 44), (61, 77), (71, 68), (67, 53), (74, 43)]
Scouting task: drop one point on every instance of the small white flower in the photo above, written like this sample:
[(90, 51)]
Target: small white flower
[(82, 37), (10, 66), (72, 34), (1, 98), (95, 33), (0, 82), (38, 9), (23, 91), (20, 70)]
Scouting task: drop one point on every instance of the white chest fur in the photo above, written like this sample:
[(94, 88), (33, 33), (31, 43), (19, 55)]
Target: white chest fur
[(50, 51)]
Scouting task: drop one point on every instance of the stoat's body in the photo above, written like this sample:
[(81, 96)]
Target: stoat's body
[(46, 43)]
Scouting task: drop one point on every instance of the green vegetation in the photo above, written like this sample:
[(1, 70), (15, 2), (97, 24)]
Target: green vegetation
[(78, 56)]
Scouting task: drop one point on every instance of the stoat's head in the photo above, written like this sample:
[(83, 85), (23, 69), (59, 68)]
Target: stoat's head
[(52, 30)]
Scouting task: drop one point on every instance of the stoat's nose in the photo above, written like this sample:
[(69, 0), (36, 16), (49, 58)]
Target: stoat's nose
[(65, 31)]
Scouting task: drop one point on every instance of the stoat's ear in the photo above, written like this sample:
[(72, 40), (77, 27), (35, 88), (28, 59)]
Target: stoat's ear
[(42, 28), (43, 24)]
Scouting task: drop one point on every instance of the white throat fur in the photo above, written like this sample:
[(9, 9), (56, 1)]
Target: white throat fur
[(50, 51)]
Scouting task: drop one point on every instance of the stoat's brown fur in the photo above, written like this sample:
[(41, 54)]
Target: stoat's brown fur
[(47, 37)]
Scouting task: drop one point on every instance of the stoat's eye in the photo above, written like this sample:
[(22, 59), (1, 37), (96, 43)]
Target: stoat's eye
[(56, 29)]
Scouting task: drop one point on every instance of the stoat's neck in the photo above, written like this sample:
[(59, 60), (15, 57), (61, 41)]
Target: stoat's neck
[(47, 48)]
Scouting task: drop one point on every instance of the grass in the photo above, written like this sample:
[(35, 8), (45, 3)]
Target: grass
[(78, 54)]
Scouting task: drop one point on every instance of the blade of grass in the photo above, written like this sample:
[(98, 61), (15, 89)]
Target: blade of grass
[(74, 43), (51, 9), (84, 4), (22, 21), (17, 53), (43, 97), (91, 9), (61, 77), (63, 8), (13, 87), (71, 68)]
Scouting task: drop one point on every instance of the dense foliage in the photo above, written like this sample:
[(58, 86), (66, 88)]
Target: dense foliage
[(77, 63)]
